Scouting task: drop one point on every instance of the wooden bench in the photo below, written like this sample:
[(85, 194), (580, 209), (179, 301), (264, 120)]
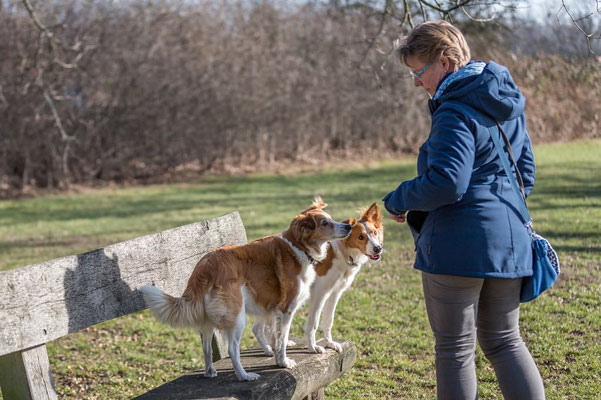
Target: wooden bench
[(43, 302)]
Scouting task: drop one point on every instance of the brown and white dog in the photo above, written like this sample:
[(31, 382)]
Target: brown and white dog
[(269, 278), (334, 275)]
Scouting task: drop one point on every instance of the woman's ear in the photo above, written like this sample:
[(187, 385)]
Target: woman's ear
[(447, 64)]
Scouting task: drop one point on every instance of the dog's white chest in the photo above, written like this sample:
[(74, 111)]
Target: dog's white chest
[(343, 273), (305, 280)]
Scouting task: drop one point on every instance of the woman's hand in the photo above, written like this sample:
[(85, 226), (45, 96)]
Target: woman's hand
[(400, 218)]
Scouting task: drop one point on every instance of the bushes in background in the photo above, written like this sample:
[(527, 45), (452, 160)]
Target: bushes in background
[(168, 85)]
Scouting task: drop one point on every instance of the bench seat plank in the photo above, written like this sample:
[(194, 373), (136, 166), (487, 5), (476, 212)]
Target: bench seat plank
[(312, 372)]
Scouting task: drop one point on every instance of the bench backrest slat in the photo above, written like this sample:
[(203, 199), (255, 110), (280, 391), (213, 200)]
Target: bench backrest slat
[(45, 301)]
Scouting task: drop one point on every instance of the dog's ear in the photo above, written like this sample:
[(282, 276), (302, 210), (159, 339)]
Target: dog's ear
[(303, 226), (350, 221), (317, 204), (373, 214), (308, 223)]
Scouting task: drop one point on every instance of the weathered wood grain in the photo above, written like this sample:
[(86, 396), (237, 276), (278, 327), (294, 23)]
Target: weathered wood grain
[(45, 301), (318, 395), (26, 375), (307, 379)]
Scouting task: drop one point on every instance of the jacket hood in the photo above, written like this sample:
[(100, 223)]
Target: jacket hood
[(492, 92)]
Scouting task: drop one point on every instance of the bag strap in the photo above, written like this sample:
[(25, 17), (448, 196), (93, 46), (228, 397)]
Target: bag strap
[(512, 158), (518, 189)]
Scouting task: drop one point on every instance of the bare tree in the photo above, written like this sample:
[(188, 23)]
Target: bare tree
[(588, 22), (405, 14), (135, 91), (49, 53)]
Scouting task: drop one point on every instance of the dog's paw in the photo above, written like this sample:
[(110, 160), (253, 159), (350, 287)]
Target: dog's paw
[(210, 372), (268, 351), (291, 343), (286, 363), (334, 345), (317, 349), (248, 376)]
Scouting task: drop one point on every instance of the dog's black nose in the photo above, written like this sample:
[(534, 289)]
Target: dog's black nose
[(378, 249), (348, 227)]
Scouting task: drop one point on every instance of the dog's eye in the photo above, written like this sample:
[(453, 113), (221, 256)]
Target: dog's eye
[(361, 237), (324, 222)]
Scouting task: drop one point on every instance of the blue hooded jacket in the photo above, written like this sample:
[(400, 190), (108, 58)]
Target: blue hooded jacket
[(473, 225)]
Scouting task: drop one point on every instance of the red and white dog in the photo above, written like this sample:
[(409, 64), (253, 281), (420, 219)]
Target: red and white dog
[(334, 275), (269, 278)]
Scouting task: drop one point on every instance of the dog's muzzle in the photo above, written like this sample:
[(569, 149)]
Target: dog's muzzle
[(377, 253), (343, 230)]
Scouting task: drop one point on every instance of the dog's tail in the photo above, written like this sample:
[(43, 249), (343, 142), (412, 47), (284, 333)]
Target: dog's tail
[(178, 312)]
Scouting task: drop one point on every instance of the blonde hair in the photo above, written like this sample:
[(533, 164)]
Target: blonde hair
[(432, 40)]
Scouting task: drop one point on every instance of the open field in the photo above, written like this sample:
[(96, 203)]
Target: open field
[(383, 313)]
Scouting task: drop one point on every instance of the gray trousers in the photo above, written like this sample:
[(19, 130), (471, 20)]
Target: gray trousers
[(459, 309)]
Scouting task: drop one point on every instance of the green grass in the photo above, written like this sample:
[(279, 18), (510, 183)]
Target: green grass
[(384, 311)]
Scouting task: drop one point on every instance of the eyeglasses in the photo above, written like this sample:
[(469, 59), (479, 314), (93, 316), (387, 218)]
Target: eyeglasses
[(418, 74)]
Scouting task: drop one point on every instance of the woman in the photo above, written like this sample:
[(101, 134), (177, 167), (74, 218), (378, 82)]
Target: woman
[(472, 246)]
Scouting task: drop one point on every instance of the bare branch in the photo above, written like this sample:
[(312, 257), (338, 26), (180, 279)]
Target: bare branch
[(52, 39), (494, 16), (448, 10), (55, 45), (57, 119), (587, 35), (36, 20), (408, 14), (424, 15), (380, 29), (583, 18), (440, 6)]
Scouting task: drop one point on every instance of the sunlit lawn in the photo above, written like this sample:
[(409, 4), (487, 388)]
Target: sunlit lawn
[(384, 312)]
